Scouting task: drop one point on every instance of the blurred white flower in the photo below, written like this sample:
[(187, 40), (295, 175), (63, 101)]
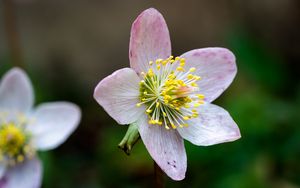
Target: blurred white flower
[(24, 130)]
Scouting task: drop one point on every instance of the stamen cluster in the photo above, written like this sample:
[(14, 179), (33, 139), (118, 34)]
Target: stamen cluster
[(170, 92), (15, 144)]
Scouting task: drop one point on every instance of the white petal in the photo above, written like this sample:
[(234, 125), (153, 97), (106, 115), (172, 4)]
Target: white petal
[(118, 94), (2, 170), (16, 91), (24, 175), (213, 126), (54, 122), (166, 147), (149, 40), (216, 67)]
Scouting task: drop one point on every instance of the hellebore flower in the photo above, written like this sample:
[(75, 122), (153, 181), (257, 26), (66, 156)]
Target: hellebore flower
[(24, 130), (169, 98)]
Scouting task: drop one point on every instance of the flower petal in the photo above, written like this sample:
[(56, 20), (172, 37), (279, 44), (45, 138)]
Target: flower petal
[(25, 175), (16, 91), (54, 123), (217, 68), (166, 147), (2, 170), (118, 94), (149, 40), (213, 126)]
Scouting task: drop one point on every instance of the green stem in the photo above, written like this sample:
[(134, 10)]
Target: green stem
[(131, 137)]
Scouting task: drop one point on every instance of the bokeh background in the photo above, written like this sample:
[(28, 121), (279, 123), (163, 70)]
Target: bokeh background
[(68, 46)]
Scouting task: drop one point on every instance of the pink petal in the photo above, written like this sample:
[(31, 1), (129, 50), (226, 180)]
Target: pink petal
[(166, 147), (16, 91), (149, 40), (25, 175), (54, 122), (217, 68), (213, 126), (118, 94)]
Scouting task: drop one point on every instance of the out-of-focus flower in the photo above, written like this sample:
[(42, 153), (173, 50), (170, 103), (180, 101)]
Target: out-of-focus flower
[(170, 98), (24, 130)]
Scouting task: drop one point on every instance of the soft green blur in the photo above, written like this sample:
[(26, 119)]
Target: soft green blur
[(68, 46)]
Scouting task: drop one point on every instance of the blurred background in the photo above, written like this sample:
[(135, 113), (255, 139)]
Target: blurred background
[(67, 47)]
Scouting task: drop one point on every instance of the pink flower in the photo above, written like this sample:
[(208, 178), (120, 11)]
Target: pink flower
[(24, 129), (170, 98)]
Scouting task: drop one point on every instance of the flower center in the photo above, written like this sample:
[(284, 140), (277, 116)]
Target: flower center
[(14, 143), (170, 93)]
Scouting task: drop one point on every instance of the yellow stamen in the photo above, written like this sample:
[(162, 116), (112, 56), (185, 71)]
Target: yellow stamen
[(193, 69), (13, 142), (181, 69), (169, 94)]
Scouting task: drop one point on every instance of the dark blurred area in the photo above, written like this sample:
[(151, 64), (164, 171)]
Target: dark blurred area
[(67, 47)]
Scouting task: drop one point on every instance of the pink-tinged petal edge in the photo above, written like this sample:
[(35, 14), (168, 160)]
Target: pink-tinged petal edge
[(149, 40), (53, 123), (166, 147), (213, 126), (26, 175), (118, 94), (16, 92), (216, 67)]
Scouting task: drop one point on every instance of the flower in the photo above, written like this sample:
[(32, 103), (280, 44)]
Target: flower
[(169, 98), (24, 130)]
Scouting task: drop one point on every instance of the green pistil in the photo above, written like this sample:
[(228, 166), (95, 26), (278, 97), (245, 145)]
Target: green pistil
[(168, 94)]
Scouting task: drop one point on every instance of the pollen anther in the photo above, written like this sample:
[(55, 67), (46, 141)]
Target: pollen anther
[(168, 91)]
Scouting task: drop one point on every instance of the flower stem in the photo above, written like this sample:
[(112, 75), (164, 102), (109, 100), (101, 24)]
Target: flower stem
[(12, 35), (131, 137), (159, 176)]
